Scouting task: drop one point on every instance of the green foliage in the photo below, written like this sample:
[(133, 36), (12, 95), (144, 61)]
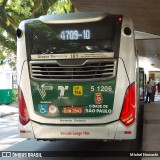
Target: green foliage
[(12, 12), (61, 7), (1, 58), (15, 96), (19, 10)]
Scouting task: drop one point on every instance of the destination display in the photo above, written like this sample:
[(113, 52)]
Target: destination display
[(75, 34), (88, 37)]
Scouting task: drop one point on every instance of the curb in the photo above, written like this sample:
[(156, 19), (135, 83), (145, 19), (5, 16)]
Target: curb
[(8, 114)]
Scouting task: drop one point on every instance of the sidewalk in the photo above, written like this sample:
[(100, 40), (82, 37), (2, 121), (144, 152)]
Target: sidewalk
[(151, 127), (10, 109)]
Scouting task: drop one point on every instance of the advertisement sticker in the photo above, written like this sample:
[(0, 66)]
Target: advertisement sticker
[(73, 99)]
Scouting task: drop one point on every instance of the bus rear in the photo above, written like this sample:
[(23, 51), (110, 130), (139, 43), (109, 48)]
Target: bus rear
[(77, 77)]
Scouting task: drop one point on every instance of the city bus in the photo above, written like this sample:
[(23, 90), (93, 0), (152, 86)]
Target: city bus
[(77, 77)]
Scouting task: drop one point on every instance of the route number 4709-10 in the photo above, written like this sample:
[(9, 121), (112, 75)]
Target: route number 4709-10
[(101, 88)]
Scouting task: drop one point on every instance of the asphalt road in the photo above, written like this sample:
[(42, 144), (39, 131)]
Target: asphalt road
[(9, 131), (82, 149)]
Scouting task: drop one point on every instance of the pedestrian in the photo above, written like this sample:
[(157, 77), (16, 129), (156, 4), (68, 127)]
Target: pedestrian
[(158, 87), (153, 92), (149, 91)]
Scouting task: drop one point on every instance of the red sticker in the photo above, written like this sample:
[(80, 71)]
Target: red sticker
[(98, 98), (52, 109)]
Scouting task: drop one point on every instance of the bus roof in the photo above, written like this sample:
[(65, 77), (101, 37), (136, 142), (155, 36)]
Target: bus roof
[(79, 17)]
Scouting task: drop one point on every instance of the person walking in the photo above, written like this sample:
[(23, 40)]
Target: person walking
[(158, 87), (149, 91), (153, 92)]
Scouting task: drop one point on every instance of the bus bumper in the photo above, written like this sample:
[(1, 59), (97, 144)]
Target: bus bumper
[(111, 131)]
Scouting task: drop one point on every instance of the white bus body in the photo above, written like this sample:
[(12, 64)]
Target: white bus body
[(77, 77)]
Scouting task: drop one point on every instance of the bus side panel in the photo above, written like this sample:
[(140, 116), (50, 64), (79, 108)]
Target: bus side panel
[(23, 80), (127, 50), (24, 84), (121, 86), (21, 52), (128, 55)]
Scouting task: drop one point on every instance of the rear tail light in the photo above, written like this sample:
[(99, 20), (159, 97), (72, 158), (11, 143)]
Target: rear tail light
[(128, 112), (23, 113)]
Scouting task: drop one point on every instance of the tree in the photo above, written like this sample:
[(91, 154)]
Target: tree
[(13, 12)]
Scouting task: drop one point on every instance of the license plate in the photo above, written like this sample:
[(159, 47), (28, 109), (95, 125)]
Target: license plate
[(72, 110)]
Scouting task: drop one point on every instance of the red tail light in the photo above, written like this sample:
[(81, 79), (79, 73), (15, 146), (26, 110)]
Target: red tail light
[(23, 113), (129, 106)]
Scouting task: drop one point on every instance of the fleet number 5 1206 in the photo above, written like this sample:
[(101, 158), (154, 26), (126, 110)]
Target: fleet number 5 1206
[(101, 88)]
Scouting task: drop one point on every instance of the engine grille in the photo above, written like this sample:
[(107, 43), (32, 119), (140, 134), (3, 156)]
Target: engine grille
[(90, 70)]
